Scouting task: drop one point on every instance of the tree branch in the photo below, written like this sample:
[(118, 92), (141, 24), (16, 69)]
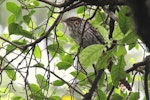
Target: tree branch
[(13, 44), (59, 78), (147, 71), (112, 8), (89, 2), (104, 2), (46, 34), (135, 66), (110, 93), (64, 4), (88, 96)]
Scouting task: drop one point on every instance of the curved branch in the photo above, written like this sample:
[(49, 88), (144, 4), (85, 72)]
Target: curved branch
[(135, 66), (89, 2), (78, 4), (110, 93), (104, 2), (64, 4), (88, 96), (13, 44), (147, 71), (59, 78), (146, 85), (46, 34)]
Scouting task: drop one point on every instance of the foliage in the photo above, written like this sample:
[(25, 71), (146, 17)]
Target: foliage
[(46, 61)]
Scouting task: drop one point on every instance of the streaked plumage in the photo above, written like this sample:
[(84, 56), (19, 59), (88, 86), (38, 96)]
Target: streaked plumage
[(90, 36)]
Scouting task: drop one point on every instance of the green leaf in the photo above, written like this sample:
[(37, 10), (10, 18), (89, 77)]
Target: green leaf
[(120, 50), (63, 39), (42, 81), (103, 32), (16, 10), (12, 7), (58, 83), (31, 12), (10, 73), (63, 65), (130, 39), (80, 76), (54, 98), (55, 48), (6, 36), (36, 92), (36, 3), (117, 71), (26, 19), (4, 91), (68, 58), (125, 22), (109, 86), (16, 29), (117, 33), (81, 9), (35, 89), (104, 60), (101, 96), (20, 42), (66, 62), (11, 19), (90, 55), (101, 81), (10, 49), (99, 18), (26, 34), (39, 65), (134, 96), (129, 77), (17, 98), (116, 97), (37, 52), (91, 76)]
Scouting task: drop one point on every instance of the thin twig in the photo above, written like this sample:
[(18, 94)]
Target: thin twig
[(47, 33), (15, 45), (64, 4), (58, 78)]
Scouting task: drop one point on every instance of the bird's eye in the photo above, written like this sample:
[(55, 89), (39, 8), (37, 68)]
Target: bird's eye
[(76, 22)]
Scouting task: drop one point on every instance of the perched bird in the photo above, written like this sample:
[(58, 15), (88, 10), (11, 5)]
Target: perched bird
[(84, 38)]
